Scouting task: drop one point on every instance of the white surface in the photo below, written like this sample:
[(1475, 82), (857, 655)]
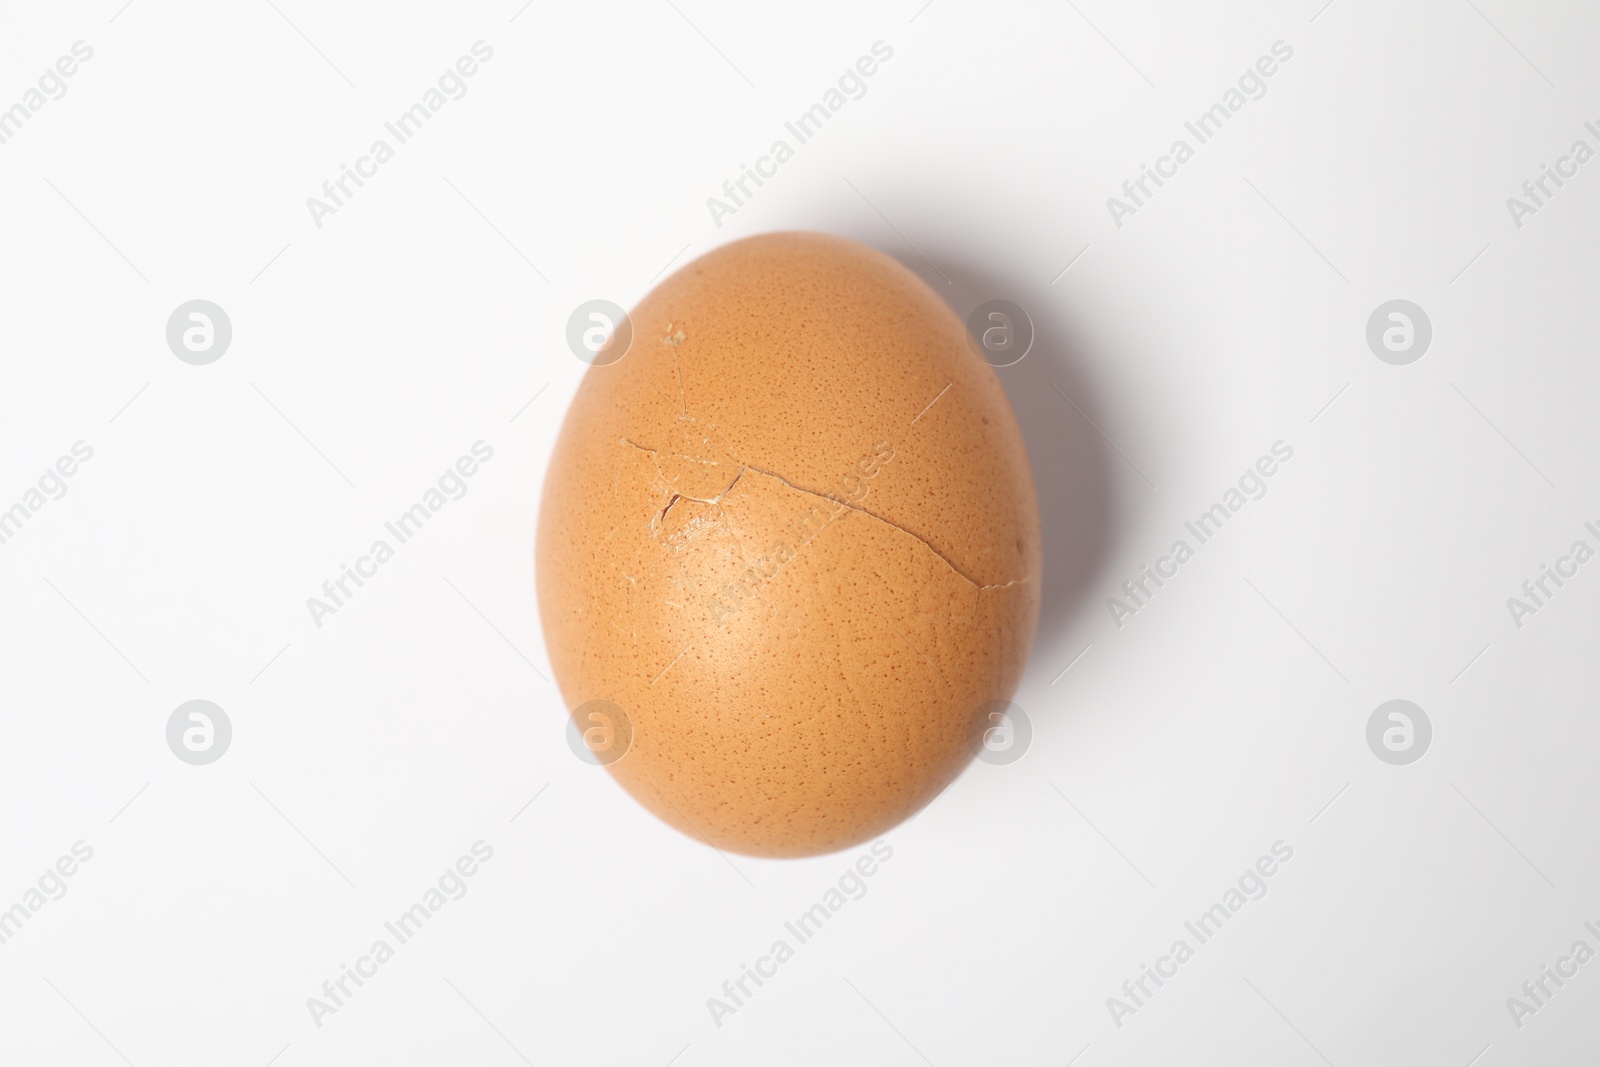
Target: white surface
[(410, 726)]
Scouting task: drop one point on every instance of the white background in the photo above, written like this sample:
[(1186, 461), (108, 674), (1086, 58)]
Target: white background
[(369, 353)]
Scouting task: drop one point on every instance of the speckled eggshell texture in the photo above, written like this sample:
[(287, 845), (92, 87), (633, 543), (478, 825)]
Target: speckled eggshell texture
[(793, 534)]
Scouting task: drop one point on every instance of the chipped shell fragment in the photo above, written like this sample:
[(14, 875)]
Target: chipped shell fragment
[(797, 542)]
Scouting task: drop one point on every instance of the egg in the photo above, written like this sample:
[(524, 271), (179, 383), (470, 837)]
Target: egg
[(788, 551)]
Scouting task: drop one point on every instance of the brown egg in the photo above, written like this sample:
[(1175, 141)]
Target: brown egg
[(792, 534)]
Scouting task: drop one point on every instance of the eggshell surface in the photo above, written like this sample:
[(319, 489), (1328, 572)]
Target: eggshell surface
[(792, 534)]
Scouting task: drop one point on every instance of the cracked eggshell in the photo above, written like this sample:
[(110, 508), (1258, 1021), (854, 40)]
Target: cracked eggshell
[(793, 534)]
